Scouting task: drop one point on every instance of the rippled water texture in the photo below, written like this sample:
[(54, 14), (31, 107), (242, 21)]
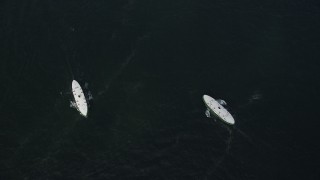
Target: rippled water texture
[(147, 64)]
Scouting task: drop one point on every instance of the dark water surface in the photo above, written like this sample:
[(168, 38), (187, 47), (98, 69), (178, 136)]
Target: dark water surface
[(148, 63)]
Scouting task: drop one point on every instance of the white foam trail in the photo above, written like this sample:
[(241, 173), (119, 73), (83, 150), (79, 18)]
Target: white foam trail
[(122, 67), (118, 72)]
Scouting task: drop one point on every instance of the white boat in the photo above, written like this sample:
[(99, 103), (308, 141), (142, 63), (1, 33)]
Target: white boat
[(80, 100), (217, 110)]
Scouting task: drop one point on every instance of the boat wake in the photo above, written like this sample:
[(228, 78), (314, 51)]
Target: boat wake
[(123, 66)]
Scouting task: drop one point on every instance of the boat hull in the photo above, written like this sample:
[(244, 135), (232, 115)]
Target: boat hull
[(218, 110), (80, 99)]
